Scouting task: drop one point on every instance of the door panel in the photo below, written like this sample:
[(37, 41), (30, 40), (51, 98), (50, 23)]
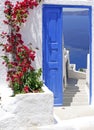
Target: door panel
[(52, 51)]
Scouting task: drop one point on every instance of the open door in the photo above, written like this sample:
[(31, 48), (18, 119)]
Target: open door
[(52, 51)]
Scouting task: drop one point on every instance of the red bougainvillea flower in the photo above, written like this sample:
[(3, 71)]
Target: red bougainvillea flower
[(7, 79), (32, 55), (19, 56), (26, 89), (7, 48), (7, 2)]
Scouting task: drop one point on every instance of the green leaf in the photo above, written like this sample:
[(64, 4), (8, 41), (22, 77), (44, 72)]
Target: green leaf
[(5, 58)]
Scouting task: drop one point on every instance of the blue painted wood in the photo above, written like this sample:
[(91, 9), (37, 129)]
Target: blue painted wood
[(52, 51)]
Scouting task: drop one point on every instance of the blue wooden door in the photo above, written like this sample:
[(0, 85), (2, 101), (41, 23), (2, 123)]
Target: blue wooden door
[(52, 51)]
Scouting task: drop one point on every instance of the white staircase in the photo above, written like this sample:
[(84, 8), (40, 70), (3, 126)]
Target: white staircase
[(75, 93)]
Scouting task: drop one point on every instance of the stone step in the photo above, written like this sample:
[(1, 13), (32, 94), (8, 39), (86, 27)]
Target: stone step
[(77, 83), (75, 87), (75, 99), (75, 96), (82, 93), (75, 91), (75, 104), (78, 91), (79, 103)]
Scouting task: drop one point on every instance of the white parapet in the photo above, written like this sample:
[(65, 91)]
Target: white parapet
[(27, 110)]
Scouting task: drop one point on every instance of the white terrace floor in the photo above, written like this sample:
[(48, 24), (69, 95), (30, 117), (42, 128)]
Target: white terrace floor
[(75, 117)]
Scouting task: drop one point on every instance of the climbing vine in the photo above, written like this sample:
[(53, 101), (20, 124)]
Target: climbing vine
[(18, 59)]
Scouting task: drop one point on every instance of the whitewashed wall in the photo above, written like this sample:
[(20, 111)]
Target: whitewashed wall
[(32, 33), (3, 69)]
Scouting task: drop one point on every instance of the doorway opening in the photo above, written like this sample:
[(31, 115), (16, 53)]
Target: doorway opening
[(76, 45)]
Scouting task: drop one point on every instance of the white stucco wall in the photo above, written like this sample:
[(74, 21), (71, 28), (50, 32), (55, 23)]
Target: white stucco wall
[(32, 33), (2, 28)]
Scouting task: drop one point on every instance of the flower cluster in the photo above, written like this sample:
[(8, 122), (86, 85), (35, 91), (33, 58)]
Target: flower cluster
[(19, 66), (18, 13)]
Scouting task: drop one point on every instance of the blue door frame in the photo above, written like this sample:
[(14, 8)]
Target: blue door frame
[(56, 86)]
